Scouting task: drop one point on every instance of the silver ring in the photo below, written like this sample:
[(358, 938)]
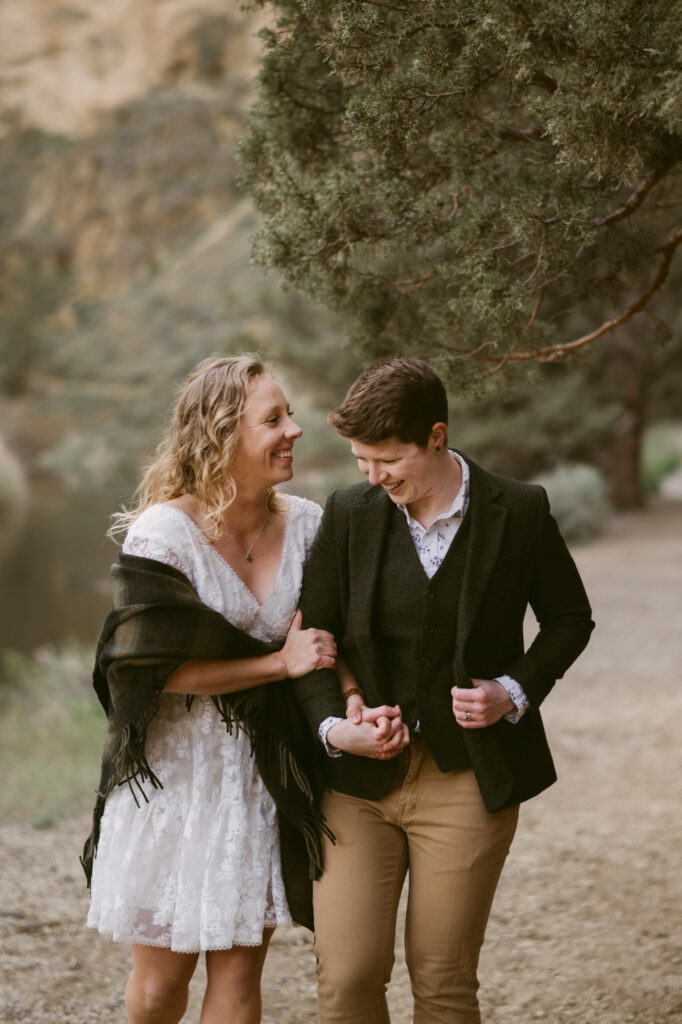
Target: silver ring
[(467, 716)]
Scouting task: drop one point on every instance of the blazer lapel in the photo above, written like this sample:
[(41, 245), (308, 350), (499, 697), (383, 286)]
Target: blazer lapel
[(487, 529)]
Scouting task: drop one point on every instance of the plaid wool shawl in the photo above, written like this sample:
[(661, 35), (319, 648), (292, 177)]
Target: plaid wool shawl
[(157, 623)]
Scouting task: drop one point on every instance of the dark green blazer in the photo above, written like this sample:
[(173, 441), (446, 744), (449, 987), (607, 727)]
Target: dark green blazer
[(516, 557)]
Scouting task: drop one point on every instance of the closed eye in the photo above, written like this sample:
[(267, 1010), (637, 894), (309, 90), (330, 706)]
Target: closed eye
[(276, 418)]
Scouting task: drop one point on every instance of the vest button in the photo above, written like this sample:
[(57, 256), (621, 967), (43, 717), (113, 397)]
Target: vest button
[(426, 662), (428, 628), (422, 693)]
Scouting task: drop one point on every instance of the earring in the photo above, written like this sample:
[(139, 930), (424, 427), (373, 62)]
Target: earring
[(437, 447)]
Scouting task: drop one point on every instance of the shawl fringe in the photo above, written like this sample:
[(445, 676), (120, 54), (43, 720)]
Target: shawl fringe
[(159, 622)]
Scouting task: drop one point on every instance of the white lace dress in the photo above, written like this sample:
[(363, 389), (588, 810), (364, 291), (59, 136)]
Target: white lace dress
[(198, 866)]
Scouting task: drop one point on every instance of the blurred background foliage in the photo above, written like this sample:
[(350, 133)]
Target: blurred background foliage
[(125, 258), (51, 733)]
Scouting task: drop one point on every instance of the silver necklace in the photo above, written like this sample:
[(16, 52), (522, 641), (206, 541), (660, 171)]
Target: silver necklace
[(247, 551)]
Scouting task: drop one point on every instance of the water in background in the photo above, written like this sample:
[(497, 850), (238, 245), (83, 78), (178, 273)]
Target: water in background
[(54, 568)]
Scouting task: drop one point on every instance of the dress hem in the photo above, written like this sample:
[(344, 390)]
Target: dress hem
[(174, 949)]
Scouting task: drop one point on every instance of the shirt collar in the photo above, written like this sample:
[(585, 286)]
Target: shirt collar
[(459, 503)]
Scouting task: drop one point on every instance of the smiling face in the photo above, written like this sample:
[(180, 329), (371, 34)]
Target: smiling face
[(408, 473), (264, 454)]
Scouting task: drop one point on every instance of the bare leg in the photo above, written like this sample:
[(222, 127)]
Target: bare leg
[(158, 987), (233, 985)]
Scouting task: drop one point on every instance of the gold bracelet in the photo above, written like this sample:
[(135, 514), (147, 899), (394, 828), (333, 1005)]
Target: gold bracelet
[(352, 692)]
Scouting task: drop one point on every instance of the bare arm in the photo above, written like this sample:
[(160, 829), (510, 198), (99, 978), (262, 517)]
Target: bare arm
[(304, 651), (212, 676), (349, 685)]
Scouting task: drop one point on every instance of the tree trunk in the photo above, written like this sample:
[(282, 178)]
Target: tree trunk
[(629, 376)]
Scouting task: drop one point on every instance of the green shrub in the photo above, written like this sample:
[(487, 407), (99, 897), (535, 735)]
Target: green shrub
[(51, 734), (661, 455), (577, 495)]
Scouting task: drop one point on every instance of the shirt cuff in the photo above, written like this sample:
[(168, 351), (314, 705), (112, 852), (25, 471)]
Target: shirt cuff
[(515, 691), (324, 728)]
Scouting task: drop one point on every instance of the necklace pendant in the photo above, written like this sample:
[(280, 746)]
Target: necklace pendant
[(248, 557)]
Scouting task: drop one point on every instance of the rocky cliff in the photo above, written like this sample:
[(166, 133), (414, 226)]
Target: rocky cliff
[(64, 63), (124, 242)]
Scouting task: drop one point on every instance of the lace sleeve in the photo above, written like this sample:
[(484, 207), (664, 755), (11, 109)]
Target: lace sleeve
[(161, 533)]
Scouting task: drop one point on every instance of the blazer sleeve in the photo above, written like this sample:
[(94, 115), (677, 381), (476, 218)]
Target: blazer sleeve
[(561, 607), (324, 602)]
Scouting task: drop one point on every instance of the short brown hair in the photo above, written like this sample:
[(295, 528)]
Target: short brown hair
[(400, 398)]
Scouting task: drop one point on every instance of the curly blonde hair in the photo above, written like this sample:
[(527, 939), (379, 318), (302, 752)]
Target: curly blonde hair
[(195, 456)]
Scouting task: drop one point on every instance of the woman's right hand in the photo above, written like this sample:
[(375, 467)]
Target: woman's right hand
[(307, 649)]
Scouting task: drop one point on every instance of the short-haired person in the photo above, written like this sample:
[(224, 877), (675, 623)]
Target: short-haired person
[(423, 574)]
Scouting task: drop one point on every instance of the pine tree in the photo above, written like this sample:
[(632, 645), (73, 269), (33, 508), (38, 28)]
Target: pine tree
[(483, 184)]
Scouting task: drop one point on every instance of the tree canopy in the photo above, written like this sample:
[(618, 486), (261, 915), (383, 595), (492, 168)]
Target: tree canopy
[(482, 183)]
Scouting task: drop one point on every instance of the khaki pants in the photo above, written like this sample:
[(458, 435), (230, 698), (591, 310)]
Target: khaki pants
[(436, 825)]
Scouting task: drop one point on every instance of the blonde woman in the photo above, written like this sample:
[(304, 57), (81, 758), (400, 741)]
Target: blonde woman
[(206, 829)]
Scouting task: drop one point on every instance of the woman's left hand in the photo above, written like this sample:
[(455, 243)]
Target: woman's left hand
[(355, 705), (481, 706)]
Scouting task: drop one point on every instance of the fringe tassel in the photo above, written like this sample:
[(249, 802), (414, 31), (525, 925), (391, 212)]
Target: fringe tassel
[(92, 842), (130, 764), (300, 779)]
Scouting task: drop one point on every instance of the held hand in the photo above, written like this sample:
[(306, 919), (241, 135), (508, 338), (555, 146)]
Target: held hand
[(387, 722), (355, 705), (483, 705), (381, 717), (372, 732), (307, 649)]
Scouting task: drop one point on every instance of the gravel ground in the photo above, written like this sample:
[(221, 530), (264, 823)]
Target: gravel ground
[(586, 923)]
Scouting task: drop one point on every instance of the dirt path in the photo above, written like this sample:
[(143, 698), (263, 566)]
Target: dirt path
[(586, 924)]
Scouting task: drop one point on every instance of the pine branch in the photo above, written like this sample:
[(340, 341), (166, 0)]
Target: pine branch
[(334, 246), (415, 283), (535, 134), (553, 352), (460, 353), (310, 106), (635, 200), (381, 3), (455, 200), (426, 25), (512, 352)]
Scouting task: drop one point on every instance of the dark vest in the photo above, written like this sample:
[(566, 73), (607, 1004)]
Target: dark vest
[(415, 621)]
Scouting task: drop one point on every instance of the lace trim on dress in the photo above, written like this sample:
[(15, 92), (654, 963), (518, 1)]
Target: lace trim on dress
[(225, 565), (146, 548)]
